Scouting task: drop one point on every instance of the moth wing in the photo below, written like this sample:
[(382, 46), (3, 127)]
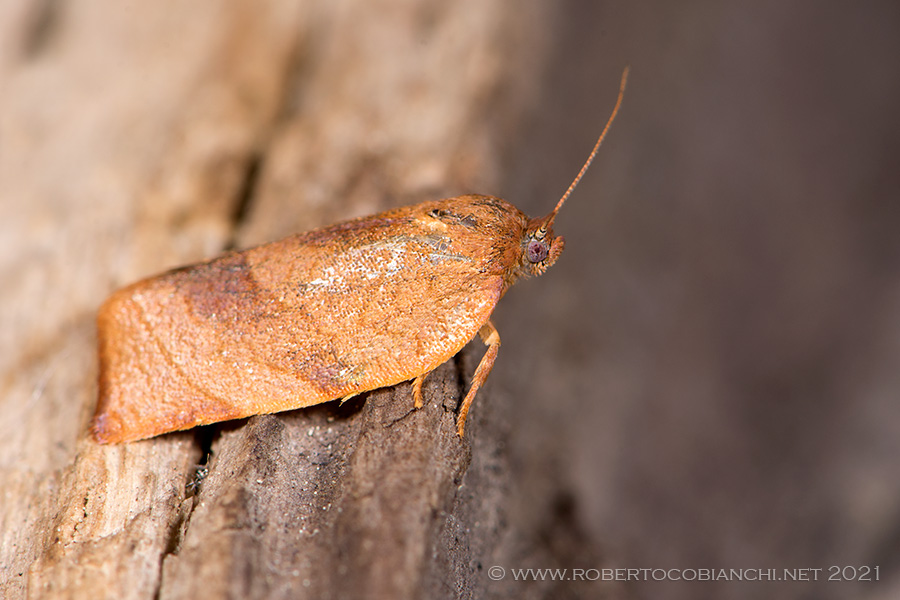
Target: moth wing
[(283, 326)]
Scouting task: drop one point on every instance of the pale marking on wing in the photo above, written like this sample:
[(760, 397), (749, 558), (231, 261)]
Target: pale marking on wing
[(399, 257)]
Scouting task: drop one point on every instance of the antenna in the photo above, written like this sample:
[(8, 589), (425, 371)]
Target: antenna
[(590, 158)]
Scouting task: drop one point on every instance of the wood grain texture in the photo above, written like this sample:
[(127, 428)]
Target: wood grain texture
[(144, 137), (707, 377)]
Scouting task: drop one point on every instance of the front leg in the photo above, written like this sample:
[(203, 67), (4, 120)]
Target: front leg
[(418, 397), (491, 338)]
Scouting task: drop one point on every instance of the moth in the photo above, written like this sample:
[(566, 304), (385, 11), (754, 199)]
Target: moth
[(318, 316)]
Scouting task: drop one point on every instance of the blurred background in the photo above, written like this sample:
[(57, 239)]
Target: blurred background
[(728, 305), (708, 377)]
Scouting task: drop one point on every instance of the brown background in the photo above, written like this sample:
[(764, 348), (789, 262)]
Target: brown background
[(707, 379)]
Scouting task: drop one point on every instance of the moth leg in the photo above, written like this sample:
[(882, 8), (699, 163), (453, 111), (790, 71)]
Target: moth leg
[(491, 338), (348, 396), (418, 397)]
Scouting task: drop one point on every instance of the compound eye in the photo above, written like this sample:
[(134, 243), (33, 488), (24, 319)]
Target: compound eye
[(536, 251)]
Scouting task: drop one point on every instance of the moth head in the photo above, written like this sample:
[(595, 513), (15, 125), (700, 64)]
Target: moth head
[(540, 248)]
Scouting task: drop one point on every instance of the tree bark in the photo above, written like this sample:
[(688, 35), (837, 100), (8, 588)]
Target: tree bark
[(706, 378), (142, 137)]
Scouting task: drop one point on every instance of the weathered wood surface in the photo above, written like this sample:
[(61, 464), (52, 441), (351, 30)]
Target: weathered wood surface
[(707, 377), (138, 137)]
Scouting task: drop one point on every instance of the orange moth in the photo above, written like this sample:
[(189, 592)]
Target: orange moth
[(318, 316)]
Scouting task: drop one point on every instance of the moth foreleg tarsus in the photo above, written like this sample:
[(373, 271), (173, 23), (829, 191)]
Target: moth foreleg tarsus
[(491, 338), (418, 396)]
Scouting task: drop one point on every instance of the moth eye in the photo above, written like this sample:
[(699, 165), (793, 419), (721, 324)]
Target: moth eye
[(536, 251)]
